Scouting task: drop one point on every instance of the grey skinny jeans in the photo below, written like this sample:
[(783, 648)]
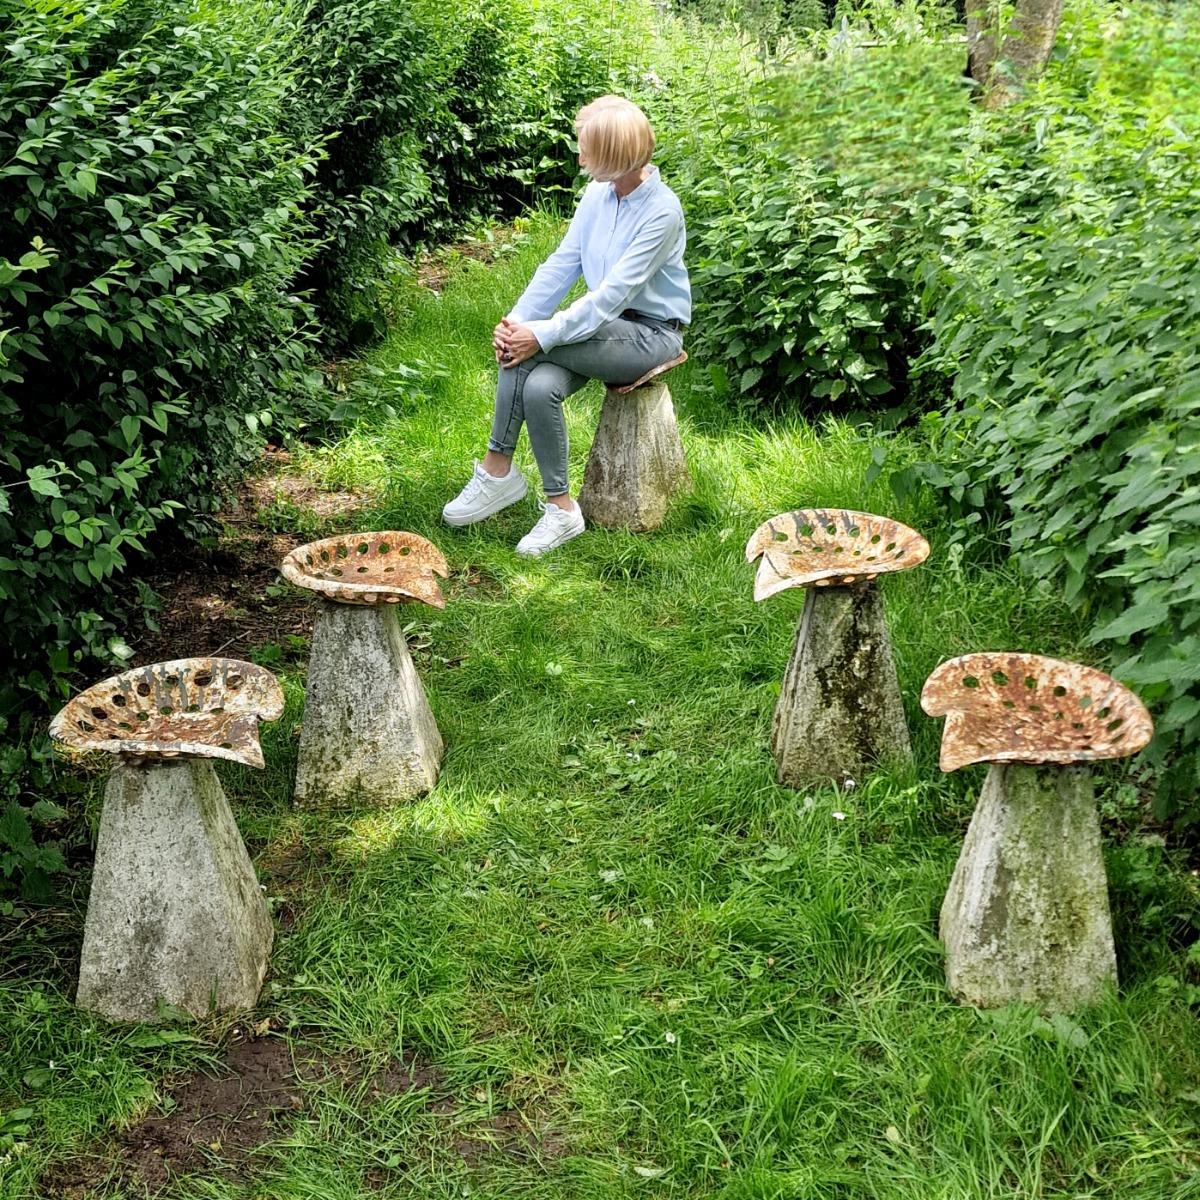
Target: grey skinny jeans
[(533, 392)]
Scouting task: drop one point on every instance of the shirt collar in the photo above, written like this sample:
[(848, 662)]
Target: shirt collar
[(643, 189)]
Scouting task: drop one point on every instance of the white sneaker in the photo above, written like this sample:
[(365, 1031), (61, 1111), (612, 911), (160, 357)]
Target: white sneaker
[(555, 527), (484, 496)]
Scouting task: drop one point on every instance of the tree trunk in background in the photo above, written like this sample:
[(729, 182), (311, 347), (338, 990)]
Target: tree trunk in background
[(1000, 61)]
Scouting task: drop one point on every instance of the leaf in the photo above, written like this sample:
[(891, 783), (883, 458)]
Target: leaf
[(1068, 1032), (1149, 614), (41, 484), (46, 810), (750, 377)]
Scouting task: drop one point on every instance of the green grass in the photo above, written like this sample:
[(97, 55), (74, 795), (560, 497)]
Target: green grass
[(608, 917)]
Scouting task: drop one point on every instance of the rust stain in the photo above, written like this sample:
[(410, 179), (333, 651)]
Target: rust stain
[(1007, 707), (370, 568), (189, 707), (653, 373), (823, 547)]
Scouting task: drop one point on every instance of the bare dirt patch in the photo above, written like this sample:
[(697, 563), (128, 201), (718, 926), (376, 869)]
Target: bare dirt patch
[(230, 598), (300, 491), (435, 267), (523, 1133), (403, 1075), (223, 1117), (212, 1123), (208, 1123)]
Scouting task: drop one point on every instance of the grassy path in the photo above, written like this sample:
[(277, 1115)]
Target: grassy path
[(625, 962)]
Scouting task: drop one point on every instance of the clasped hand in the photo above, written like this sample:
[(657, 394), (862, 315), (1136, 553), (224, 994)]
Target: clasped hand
[(513, 343)]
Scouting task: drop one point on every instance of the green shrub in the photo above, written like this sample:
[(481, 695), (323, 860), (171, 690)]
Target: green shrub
[(435, 115), (156, 219), (1065, 304), (806, 190), (502, 137), (368, 88), (28, 858), (152, 219)]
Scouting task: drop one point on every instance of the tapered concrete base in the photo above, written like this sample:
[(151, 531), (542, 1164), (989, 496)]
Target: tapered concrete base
[(636, 463), (175, 912), (368, 736), (839, 708), (1026, 916)]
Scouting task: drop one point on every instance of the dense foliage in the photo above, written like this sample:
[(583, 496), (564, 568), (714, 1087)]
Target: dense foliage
[(194, 196), (804, 190), (152, 218), (432, 114), (1065, 299)]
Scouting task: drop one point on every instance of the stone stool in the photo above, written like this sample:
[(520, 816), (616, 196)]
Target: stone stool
[(1026, 915), (368, 736), (636, 463), (839, 708), (175, 915)]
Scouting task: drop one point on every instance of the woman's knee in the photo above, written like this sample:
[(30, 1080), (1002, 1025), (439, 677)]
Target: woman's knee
[(542, 393)]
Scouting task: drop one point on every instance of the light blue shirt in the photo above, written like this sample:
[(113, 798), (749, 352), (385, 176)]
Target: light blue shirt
[(630, 253)]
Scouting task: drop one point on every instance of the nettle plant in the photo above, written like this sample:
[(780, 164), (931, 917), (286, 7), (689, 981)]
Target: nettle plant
[(806, 185), (1065, 305)]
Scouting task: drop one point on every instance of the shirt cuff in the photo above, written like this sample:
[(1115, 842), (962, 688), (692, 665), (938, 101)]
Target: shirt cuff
[(545, 333)]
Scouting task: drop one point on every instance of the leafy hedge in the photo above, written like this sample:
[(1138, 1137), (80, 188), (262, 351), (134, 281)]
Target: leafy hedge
[(195, 196), (850, 211), (148, 325), (1065, 304), (435, 114)]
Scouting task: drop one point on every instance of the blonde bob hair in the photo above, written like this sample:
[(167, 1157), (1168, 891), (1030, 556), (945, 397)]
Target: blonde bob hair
[(614, 137)]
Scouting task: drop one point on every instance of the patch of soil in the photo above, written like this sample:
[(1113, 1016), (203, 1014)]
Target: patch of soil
[(208, 1123), (301, 492), (473, 579), (290, 861), (290, 868), (435, 267), (400, 1076), (212, 1124), (516, 1132), (230, 598)]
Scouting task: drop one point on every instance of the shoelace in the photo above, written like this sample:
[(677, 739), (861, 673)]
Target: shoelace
[(550, 514), (474, 484)]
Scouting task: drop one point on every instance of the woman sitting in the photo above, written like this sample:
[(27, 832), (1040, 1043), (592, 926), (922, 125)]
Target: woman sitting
[(626, 239)]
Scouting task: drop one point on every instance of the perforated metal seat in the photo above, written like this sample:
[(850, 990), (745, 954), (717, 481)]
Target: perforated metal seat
[(1025, 708), (653, 373), (370, 568), (825, 547), (186, 708)]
